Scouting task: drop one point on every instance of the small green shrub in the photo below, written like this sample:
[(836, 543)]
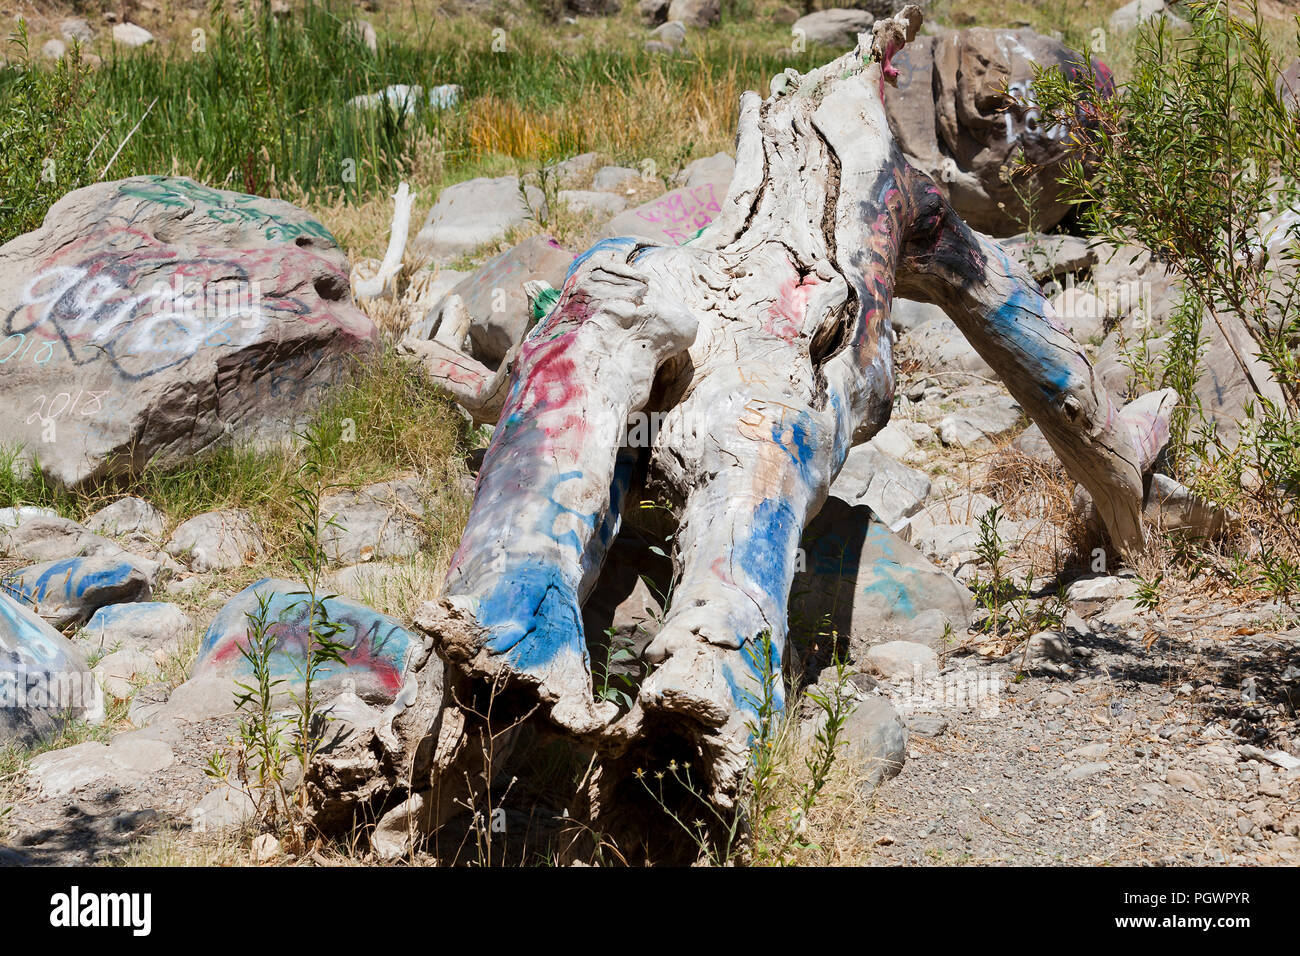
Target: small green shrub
[(1197, 158)]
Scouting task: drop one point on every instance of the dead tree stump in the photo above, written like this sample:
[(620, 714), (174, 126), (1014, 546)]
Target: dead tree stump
[(766, 345)]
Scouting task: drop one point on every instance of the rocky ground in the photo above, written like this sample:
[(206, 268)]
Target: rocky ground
[(1158, 744), (1153, 739)]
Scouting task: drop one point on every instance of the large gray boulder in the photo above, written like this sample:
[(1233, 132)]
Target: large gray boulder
[(472, 214), (151, 317), (892, 490), (869, 585), (837, 27)]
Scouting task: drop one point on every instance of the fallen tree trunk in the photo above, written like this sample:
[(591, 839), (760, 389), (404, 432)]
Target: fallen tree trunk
[(765, 345)]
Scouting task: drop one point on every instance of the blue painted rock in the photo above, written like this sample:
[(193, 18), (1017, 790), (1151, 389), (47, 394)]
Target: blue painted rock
[(50, 538), (149, 625), (150, 317), (43, 678), (71, 590), (381, 652), (870, 585)]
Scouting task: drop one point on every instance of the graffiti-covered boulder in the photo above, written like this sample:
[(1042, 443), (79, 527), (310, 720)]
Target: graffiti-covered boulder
[(673, 218), (869, 585), (150, 317), (963, 110), (43, 678), (380, 653), (72, 589)]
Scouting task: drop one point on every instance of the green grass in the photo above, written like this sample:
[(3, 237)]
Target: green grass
[(263, 107)]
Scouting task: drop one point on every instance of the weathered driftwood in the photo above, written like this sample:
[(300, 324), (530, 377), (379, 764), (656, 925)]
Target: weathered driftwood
[(766, 344)]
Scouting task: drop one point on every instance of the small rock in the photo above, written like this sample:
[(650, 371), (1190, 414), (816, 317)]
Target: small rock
[(75, 29), (1084, 771), (592, 202), (225, 808), (151, 626), (131, 35), (989, 422), (148, 702), (392, 836), (1090, 751), (476, 212), (695, 13), (1048, 651), (1131, 15), (1095, 590), (892, 440), (128, 516), (54, 49), (614, 178), (902, 660), (877, 739), (118, 672), (216, 541), (927, 725), (837, 27), (378, 521), (1184, 779), (265, 848)]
